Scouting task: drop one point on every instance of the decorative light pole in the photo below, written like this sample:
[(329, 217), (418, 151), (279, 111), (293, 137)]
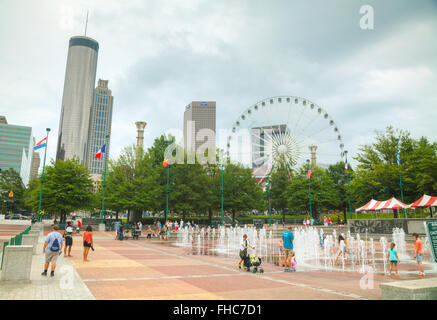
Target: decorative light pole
[(309, 185), (166, 163), (221, 169), (348, 186), (42, 177), (104, 180), (270, 206), (398, 156)]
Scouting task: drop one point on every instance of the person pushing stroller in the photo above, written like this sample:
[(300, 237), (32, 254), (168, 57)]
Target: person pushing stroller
[(243, 251)]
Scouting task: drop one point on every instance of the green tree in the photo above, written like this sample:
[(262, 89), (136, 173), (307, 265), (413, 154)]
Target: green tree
[(241, 191), (67, 187), (280, 179), (10, 180), (324, 195), (377, 175)]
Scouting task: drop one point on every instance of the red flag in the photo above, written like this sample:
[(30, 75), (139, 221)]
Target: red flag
[(165, 163)]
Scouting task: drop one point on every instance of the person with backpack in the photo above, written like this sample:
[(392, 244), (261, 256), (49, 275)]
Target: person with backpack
[(52, 249)]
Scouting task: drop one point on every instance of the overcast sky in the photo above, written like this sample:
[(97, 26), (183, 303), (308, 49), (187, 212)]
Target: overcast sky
[(160, 55)]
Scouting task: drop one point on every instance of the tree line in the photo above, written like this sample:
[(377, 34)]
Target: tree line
[(136, 182)]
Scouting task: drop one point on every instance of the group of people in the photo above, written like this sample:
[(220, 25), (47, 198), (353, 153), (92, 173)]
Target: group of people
[(287, 257), (157, 230), (55, 241)]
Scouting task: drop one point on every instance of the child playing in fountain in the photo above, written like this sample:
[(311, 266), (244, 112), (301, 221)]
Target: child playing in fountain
[(343, 248), (243, 250), (392, 256), (293, 262)]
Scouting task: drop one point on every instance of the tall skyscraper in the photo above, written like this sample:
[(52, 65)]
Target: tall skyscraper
[(100, 126), (16, 149), (80, 78), (200, 115), (36, 160)]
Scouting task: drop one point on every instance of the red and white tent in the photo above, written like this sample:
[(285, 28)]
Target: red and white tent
[(374, 205), (393, 203), (424, 202), (370, 206)]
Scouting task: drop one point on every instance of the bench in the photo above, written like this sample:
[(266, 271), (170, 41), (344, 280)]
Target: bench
[(422, 289)]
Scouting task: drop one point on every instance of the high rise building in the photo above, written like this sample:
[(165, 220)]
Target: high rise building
[(200, 115), (36, 160), (16, 149), (80, 78), (100, 126)]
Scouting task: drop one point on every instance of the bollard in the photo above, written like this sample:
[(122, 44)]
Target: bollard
[(17, 263), (30, 240)]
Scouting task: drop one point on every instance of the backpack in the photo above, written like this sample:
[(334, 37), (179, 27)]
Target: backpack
[(55, 247)]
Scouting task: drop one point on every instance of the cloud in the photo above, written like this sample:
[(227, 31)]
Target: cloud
[(159, 56)]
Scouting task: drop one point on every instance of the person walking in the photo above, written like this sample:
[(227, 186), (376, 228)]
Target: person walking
[(243, 250), (287, 243), (392, 256), (88, 242), (68, 237), (325, 221), (418, 253), (52, 249)]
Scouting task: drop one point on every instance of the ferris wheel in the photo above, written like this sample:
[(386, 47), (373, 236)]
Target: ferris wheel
[(284, 129)]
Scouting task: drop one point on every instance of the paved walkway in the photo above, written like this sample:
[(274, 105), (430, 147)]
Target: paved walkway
[(65, 285), (144, 269)]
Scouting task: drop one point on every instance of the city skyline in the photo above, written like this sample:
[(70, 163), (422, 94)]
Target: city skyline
[(157, 59)]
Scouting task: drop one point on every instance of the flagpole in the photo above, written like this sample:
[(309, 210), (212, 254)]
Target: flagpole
[(309, 187), (270, 206), (104, 180), (399, 170), (348, 187), (42, 177)]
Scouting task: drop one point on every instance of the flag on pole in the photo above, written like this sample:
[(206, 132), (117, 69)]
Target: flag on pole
[(345, 165), (165, 163), (99, 154), (309, 171), (41, 144), (398, 156)]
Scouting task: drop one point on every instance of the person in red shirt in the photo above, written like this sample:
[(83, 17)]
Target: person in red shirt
[(418, 253), (87, 242)]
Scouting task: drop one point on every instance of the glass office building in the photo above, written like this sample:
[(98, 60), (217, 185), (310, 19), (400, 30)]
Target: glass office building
[(16, 149), (100, 126)]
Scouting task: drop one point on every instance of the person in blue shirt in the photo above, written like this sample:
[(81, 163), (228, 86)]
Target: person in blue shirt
[(392, 256), (287, 242)]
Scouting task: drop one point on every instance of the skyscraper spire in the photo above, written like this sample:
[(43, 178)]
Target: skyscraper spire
[(86, 23)]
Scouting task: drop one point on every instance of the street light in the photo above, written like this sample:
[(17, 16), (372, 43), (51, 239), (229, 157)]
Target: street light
[(348, 186), (42, 177), (398, 158), (104, 180), (309, 185)]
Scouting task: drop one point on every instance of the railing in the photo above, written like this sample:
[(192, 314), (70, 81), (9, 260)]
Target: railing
[(14, 241)]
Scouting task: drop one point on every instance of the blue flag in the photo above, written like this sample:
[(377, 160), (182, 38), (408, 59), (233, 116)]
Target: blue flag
[(398, 157)]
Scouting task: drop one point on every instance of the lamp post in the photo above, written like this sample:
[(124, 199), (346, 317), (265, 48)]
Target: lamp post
[(42, 177), (221, 169), (309, 186), (270, 205), (104, 180), (398, 156), (348, 186), (167, 191)]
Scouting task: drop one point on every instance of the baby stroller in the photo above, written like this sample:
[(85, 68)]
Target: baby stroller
[(254, 262)]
